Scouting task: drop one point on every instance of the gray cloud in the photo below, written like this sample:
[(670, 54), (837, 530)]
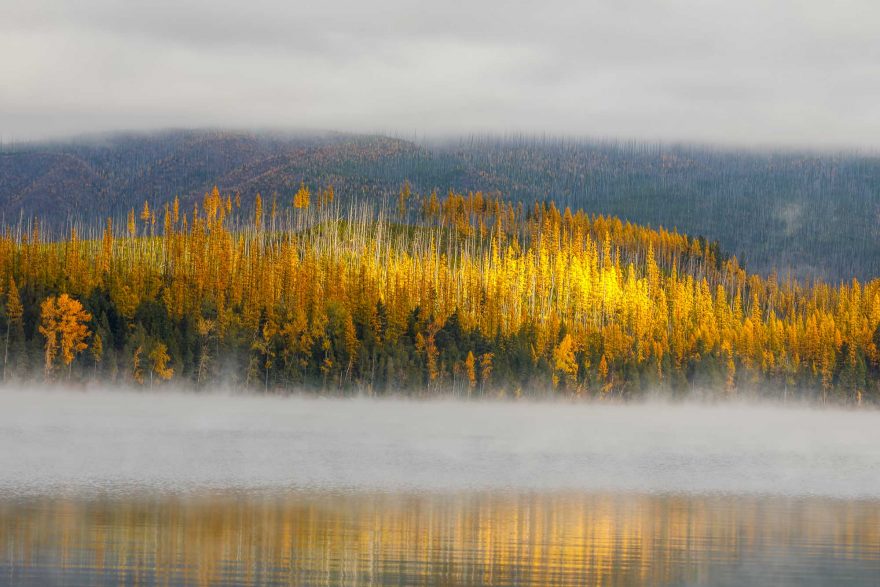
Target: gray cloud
[(789, 72)]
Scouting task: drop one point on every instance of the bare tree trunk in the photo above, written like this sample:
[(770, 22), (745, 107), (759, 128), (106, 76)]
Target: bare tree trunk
[(203, 364)]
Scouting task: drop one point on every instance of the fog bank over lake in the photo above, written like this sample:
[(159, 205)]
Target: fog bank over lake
[(110, 441)]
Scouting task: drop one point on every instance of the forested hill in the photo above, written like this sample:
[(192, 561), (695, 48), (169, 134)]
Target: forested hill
[(466, 293), (816, 215)]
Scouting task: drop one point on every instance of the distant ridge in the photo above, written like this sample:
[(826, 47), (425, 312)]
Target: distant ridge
[(812, 214)]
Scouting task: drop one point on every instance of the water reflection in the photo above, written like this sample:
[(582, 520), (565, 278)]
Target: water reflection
[(419, 539)]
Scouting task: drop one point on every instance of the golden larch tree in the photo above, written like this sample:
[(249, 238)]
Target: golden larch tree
[(159, 363), (302, 197), (14, 315), (63, 323), (470, 370)]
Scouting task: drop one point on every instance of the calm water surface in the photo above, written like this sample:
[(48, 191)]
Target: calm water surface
[(117, 488)]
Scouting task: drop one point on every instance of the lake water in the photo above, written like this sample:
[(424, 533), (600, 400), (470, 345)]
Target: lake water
[(109, 488)]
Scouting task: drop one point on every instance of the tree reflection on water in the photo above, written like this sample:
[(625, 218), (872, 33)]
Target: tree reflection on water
[(420, 539)]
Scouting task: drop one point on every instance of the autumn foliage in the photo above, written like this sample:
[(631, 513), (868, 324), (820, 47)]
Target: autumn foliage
[(63, 324), (465, 292)]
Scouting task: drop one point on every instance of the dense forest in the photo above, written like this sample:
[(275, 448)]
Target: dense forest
[(814, 215), (467, 293)]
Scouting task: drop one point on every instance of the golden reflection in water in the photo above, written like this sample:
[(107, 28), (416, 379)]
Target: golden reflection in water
[(476, 538)]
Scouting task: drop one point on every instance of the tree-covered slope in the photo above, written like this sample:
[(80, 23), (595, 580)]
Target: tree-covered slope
[(816, 215), (467, 293)]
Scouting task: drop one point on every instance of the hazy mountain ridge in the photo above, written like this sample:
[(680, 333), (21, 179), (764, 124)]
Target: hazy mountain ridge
[(814, 214)]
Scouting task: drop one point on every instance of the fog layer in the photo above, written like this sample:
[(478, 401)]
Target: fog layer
[(100, 441)]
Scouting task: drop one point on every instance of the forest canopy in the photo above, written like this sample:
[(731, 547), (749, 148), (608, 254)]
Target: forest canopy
[(466, 292)]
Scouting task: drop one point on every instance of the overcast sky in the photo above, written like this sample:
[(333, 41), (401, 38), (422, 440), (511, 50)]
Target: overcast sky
[(769, 72)]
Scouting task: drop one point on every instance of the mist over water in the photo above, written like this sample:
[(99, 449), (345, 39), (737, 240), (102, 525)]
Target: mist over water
[(113, 441), (113, 487)]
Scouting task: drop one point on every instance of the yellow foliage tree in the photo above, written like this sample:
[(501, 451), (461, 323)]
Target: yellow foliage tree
[(470, 370), (63, 323), (485, 369), (14, 315), (159, 363), (564, 361), (302, 197), (258, 212)]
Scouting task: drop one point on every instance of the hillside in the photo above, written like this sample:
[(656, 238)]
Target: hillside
[(467, 293), (814, 215), (96, 177)]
